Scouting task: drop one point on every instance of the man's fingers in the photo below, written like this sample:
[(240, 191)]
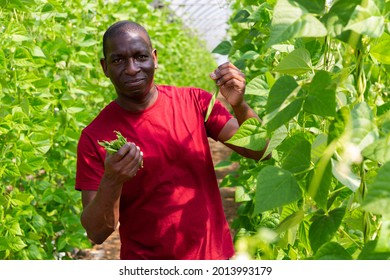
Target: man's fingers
[(226, 72), (233, 77)]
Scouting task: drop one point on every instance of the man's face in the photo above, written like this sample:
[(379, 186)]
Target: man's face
[(130, 64)]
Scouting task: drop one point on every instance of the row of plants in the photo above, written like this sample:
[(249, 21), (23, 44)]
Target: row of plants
[(51, 87), (318, 75)]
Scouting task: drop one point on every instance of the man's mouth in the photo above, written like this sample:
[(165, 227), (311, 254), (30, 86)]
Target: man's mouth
[(134, 82)]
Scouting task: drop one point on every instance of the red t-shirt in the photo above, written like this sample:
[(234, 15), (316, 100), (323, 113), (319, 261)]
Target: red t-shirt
[(172, 208)]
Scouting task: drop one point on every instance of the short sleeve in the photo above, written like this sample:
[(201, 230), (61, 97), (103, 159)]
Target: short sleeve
[(219, 115), (90, 164)]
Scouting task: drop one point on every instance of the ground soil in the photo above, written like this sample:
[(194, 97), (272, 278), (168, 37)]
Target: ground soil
[(109, 250)]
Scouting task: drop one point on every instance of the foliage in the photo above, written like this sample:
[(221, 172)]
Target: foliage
[(51, 86), (318, 75)]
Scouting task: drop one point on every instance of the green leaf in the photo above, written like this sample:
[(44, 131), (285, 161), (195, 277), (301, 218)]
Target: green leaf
[(37, 52), (383, 244), (369, 252), (241, 16), (249, 55), (211, 104), (379, 150), (332, 251), (34, 252), (292, 20), (380, 50), (295, 63), (275, 187), (41, 142), (324, 227), (338, 126), (14, 228), (257, 86), (290, 221), (338, 17), (277, 137), (313, 6), (241, 195), (321, 99), (321, 194), (19, 38), (31, 163), (16, 243), (250, 135), (88, 43), (377, 199), (318, 147), (284, 102), (297, 159), (223, 48), (367, 19), (363, 125), (383, 109)]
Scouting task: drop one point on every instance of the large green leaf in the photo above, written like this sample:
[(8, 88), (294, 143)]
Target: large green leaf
[(324, 227), (275, 187), (297, 159), (332, 251), (380, 49), (370, 252), (379, 150), (284, 102), (378, 194), (367, 19), (321, 99), (250, 135), (295, 63), (292, 20)]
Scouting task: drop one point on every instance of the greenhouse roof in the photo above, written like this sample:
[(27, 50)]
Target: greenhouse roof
[(208, 18)]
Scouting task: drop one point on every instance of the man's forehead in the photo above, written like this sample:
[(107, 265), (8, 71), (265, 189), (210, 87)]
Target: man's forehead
[(125, 43), (131, 35)]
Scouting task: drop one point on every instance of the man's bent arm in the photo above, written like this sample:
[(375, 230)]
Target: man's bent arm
[(100, 216)]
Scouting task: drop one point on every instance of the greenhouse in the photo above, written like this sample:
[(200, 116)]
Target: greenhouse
[(304, 176)]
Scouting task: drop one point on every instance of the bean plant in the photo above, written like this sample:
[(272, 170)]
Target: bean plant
[(318, 75)]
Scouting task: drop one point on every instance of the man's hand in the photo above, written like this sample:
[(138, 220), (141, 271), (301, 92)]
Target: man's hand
[(231, 82), (124, 164)]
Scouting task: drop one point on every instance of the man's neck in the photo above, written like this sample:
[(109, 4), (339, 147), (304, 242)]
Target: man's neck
[(137, 105)]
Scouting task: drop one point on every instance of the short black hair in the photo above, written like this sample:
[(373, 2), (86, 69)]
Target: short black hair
[(123, 26)]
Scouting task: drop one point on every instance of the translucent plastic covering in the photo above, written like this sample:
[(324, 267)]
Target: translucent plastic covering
[(207, 18)]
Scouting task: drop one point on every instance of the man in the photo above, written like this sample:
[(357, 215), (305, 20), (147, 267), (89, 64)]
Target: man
[(161, 185)]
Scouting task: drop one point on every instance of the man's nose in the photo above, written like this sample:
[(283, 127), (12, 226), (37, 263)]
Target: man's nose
[(132, 67)]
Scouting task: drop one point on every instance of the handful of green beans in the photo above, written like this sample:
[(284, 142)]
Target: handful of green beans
[(113, 146)]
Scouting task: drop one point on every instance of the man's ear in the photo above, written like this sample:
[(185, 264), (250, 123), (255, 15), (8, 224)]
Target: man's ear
[(104, 66), (154, 53)]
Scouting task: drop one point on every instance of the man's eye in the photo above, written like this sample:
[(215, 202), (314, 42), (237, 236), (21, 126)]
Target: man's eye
[(117, 60), (142, 57)]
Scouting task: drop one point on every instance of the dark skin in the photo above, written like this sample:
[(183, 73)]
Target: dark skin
[(130, 63)]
